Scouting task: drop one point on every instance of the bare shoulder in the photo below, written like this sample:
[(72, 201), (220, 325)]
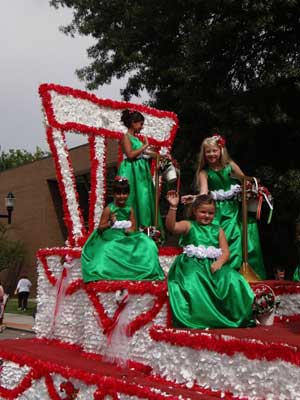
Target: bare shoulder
[(203, 173)]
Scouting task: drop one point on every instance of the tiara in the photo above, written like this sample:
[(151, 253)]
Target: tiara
[(121, 179), (219, 140)]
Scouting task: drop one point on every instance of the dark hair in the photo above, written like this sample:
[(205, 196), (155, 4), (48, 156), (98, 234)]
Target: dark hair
[(203, 199), (121, 186), (130, 116), (279, 268)]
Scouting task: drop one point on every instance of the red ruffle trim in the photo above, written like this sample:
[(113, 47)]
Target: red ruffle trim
[(252, 349)]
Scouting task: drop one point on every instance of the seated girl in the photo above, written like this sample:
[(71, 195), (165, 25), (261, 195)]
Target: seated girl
[(114, 251), (204, 291)]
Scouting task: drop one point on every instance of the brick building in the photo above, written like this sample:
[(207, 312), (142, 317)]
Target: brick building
[(37, 218)]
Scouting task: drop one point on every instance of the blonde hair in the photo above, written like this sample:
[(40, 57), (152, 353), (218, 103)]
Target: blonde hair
[(224, 159)]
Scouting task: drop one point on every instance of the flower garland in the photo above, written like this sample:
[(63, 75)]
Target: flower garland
[(202, 252), (51, 388), (25, 384), (107, 385), (42, 255), (134, 287), (45, 94), (98, 146), (147, 316), (221, 194), (283, 289), (251, 348), (140, 320), (66, 183)]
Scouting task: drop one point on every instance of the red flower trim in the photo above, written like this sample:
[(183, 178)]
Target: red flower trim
[(74, 287), (106, 384), (42, 255), (62, 189), (100, 394), (137, 366), (170, 251), (286, 290), (67, 216), (287, 318), (288, 287), (45, 89), (252, 350), (105, 320), (141, 320), (25, 384), (94, 180), (134, 287), (146, 317), (51, 388), (93, 169)]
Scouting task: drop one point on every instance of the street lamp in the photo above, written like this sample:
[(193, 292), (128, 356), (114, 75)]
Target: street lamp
[(9, 203)]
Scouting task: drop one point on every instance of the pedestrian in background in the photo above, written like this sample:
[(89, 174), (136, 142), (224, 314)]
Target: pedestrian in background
[(23, 290)]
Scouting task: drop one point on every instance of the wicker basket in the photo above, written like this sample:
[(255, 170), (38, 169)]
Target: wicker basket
[(266, 318)]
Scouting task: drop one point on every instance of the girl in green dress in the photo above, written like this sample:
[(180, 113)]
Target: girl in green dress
[(205, 291), (135, 167), (114, 251), (220, 176)]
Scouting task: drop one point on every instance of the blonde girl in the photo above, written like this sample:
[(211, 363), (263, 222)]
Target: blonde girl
[(220, 176)]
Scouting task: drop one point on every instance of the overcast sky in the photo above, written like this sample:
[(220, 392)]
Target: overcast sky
[(34, 51)]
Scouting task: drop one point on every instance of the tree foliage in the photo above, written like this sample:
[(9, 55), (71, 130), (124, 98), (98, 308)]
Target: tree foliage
[(12, 253), (231, 64), (15, 158), (227, 63)]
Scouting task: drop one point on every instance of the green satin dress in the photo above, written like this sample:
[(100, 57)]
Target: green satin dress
[(229, 217), (142, 193), (296, 275), (118, 255), (201, 299)]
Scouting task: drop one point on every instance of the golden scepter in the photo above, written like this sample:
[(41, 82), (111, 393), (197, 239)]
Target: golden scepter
[(246, 270)]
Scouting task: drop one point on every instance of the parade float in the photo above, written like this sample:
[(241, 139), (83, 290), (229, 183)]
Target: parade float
[(75, 321)]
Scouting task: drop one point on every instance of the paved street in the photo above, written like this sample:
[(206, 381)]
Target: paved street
[(15, 334)]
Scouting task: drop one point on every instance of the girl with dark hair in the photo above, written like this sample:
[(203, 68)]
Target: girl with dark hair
[(204, 290), (115, 251), (135, 167)]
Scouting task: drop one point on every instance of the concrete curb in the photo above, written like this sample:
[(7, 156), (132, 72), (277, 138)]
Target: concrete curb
[(16, 327)]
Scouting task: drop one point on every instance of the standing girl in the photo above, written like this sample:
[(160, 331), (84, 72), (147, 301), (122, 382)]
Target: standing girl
[(205, 291), (135, 167), (114, 251), (219, 175)]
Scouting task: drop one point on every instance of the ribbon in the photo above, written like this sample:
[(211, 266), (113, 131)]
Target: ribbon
[(61, 286), (109, 330)]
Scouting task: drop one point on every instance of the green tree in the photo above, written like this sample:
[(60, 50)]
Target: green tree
[(15, 158), (12, 254), (227, 63), (231, 64)]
